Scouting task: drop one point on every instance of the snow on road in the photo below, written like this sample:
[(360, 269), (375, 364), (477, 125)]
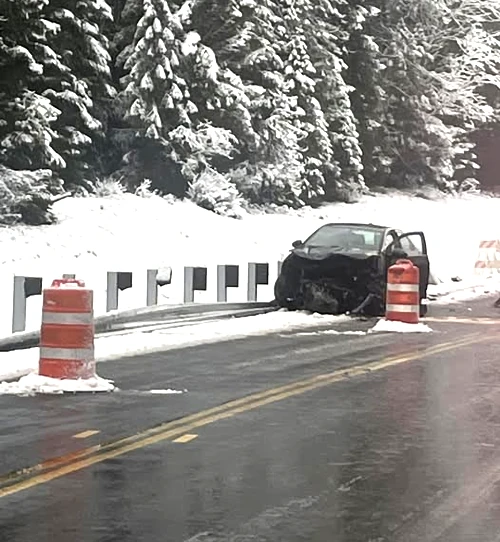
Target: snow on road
[(130, 344)]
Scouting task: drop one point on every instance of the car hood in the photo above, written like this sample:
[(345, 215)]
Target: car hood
[(322, 253)]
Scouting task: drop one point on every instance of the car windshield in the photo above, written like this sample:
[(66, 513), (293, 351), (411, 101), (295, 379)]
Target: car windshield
[(342, 237)]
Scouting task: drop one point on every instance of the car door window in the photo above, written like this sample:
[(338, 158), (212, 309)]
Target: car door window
[(412, 245), (389, 238)]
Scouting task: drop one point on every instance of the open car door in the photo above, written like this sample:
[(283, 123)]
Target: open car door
[(414, 247)]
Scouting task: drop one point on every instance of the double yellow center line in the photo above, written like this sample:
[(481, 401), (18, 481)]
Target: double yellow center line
[(50, 470)]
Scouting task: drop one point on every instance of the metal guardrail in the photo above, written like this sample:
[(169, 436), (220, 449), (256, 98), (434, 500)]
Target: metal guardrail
[(150, 318)]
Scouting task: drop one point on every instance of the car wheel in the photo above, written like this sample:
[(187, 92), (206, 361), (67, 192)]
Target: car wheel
[(281, 293)]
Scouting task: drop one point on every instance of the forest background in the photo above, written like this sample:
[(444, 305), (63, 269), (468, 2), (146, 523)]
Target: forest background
[(236, 103)]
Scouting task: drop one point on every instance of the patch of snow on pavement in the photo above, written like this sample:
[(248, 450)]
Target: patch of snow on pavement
[(132, 344), (399, 327), (33, 383), (328, 332), (166, 392)]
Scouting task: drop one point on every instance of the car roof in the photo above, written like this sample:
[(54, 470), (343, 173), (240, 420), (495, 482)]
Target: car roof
[(359, 225)]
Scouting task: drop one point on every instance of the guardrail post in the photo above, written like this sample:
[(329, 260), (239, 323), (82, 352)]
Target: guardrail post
[(24, 287), (116, 281), (151, 287), (156, 278), (227, 277), (258, 273), (195, 279)]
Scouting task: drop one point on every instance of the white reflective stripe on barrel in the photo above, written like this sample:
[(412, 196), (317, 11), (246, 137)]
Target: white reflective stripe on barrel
[(402, 308), (402, 287), (76, 318), (76, 354)]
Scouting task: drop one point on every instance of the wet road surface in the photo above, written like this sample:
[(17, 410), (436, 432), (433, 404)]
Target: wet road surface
[(291, 437)]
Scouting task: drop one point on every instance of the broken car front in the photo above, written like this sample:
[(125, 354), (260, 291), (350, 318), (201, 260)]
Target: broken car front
[(342, 268)]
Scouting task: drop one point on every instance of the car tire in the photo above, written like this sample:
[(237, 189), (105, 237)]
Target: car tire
[(280, 293)]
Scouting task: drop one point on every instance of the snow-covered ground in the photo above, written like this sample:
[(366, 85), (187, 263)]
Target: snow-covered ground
[(131, 233)]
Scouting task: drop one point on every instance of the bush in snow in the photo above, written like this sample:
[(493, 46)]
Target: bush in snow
[(113, 186), (206, 145), (347, 192), (144, 190), (108, 187), (27, 196), (214, 192), (268, 184)]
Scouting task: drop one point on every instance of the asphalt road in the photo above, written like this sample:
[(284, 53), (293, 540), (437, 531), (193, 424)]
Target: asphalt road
[(287, 437)]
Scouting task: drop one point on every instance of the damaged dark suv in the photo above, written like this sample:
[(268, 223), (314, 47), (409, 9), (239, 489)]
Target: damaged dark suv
[(342, 268)]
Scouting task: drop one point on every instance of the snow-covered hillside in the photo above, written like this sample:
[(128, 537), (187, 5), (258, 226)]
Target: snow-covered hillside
[(131, 233)]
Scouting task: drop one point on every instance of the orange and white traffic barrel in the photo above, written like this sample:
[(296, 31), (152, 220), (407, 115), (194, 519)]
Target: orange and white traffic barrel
[(403, 292), (67, 334)]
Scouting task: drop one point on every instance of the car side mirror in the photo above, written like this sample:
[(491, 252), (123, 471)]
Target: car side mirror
[(297, 244)]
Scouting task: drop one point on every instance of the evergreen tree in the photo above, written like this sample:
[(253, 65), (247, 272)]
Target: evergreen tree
[(365, 75), (27, 117), (328, 29), (126, 15), (253, 43), (439, 56), (157, 95), (177, 99), (288, 57), (83, 90)]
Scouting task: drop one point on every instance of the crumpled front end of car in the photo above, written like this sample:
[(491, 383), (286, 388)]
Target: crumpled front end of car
[(336, 284)]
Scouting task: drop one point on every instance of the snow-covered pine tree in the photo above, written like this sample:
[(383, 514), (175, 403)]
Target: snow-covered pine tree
[(83, 91), (301, 86), (27, 183), (470, 81), (252, 42), (120, 135), (440, 56), (126, 15), (326, 29), (416, 146), (26, 196), (215, 192), (307, 138), (27, 117), (175, 97), (155, 97), (221, 96), (365, 75)]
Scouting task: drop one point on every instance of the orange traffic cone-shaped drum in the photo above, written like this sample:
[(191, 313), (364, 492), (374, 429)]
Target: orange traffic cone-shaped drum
[(403, 292), (67, 334)]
